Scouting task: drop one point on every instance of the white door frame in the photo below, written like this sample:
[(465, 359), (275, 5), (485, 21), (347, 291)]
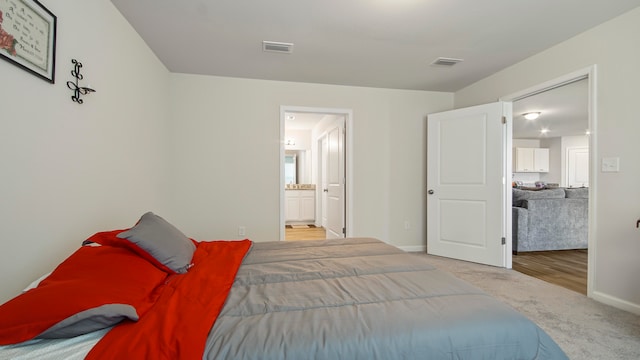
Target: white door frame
[(589, 73), (348, 114)]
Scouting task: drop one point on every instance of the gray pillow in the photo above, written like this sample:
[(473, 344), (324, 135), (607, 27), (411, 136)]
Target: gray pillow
[(519, 196), (577, 193), (163, 241)]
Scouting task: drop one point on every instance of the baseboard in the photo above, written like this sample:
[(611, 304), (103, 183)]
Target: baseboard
[(413, 248), (617, 303)]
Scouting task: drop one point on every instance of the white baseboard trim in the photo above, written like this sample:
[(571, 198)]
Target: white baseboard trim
[(413, 248), (617, 303)]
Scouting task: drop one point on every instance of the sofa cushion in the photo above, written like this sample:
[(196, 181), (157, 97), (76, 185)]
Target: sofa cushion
[(556, 224), (577, 193), (519, 196)]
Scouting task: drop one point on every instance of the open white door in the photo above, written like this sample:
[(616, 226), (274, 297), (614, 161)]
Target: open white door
[(324, 152), (578, 166), (466, 172), (334, 190)]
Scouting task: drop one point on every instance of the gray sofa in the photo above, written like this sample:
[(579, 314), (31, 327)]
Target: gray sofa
[(550, 219)]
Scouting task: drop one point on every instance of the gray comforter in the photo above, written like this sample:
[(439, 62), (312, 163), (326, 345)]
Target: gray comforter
[(363, 299)]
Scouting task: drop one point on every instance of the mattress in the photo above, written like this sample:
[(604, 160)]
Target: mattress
[(356, 298)]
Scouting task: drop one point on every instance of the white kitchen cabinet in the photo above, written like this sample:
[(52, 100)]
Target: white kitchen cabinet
[(531, 160), (300, 206), (541, 160)]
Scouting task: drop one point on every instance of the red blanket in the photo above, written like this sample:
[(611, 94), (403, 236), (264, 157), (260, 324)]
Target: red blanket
[(177, 326)]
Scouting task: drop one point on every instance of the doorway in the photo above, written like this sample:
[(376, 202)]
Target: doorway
[(569, 134), (445, 241), (315, 188)]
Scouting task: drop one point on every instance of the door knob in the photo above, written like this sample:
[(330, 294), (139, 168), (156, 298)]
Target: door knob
[(325, 190), (430, 192)]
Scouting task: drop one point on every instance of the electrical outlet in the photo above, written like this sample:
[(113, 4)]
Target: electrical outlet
[(241, 231), (407, 225)]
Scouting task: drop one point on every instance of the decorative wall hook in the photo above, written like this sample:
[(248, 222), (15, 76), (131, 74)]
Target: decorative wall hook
[(77, 90)]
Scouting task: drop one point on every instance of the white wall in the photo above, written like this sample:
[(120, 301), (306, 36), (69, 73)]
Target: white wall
[(613, 46), (216, 192), (71, 170), (556, 161), (302, 139)]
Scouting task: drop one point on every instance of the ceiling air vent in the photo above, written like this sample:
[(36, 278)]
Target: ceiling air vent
[(277, 47), (443, 61)]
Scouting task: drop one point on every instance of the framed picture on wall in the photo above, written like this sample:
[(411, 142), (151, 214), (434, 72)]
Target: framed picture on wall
[(28, 37)]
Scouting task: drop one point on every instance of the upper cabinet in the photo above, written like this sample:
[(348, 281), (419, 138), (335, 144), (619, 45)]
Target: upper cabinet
[(531, 160)]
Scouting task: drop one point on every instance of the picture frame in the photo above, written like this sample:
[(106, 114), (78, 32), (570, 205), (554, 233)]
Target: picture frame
[(28, 37)]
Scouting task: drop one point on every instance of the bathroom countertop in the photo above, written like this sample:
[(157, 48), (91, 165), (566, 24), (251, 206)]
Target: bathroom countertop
[(300, 187)]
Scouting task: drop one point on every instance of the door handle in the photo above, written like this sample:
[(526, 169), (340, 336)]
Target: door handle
[(430, 192), (325, 190)]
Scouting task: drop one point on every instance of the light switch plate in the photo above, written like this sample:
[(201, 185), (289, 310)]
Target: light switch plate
[(611, 164)]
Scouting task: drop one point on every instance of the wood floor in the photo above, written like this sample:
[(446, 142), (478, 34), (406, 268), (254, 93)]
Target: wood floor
[(305, 234), (566, 268)]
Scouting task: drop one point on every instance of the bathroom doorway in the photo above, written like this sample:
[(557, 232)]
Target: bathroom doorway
[(315, 173)]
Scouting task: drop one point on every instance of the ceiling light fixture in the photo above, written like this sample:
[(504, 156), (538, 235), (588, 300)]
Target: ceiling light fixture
[(531, 115), (544, 131)]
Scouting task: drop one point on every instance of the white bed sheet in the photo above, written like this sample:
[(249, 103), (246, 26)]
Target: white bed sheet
[(75, 348)]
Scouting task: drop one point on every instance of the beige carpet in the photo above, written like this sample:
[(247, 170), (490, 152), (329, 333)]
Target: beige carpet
[(584, 328)]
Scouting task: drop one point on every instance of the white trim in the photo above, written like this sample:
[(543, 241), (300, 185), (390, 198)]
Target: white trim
[(507, 159), (551, 84), (413, 248), (589, 73), (348, 114), (616, 302)]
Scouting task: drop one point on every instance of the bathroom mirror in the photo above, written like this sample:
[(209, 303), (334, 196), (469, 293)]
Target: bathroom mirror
[(290, 169), (297, 167)]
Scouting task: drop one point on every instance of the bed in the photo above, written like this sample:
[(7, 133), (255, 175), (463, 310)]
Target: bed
[(355, 298)]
